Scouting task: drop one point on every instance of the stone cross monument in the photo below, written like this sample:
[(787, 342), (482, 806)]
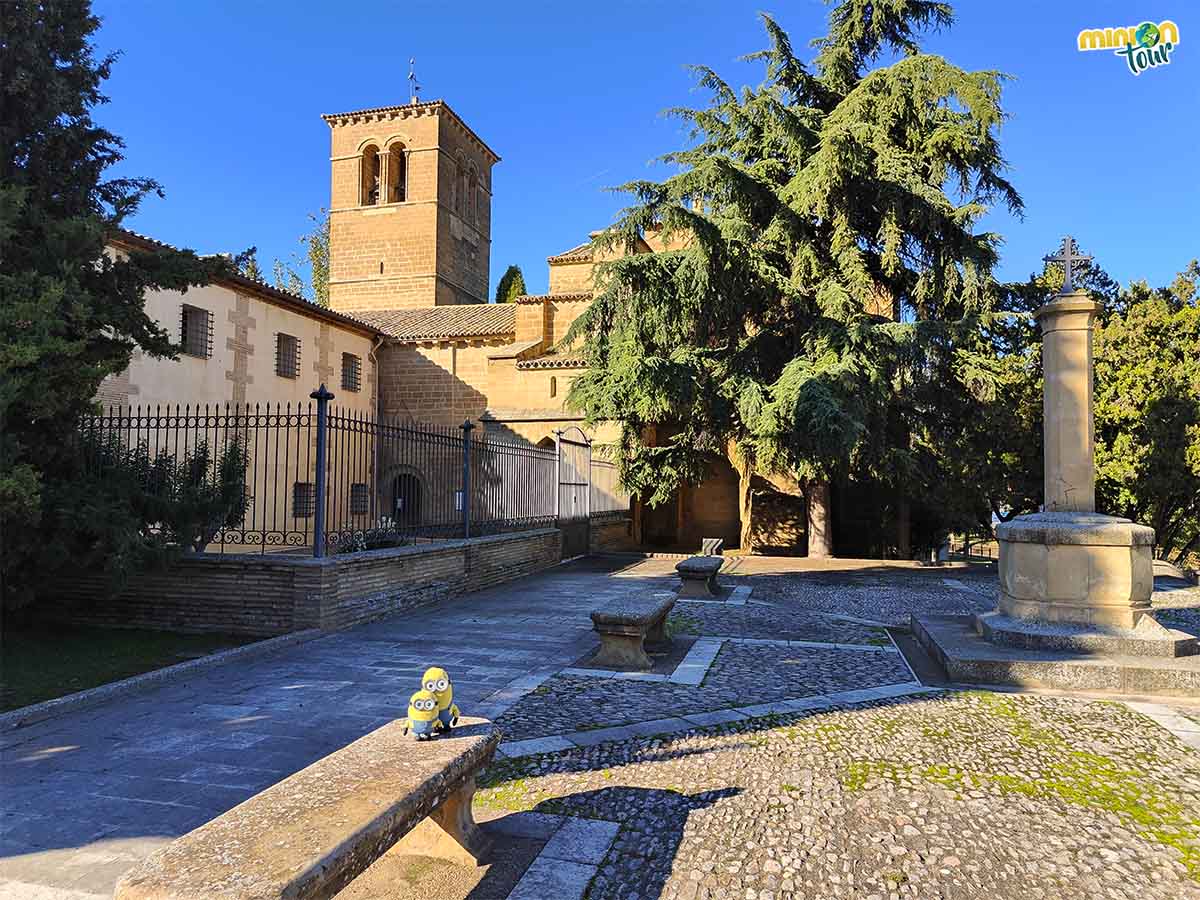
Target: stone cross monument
[(1068, 565)]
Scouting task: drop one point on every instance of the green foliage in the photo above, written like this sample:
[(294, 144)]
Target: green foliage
[(249, 266), (804, 214), (70, 315), (511, 285), (287, 274), (1147, 401), (122, 509)]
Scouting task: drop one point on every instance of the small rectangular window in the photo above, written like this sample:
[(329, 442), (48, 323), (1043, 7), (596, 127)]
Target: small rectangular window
[(195, 331), (287, 356), (360, 500), (304, 499), (351, 372)]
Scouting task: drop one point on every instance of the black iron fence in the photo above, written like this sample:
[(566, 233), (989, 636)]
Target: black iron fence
[(321, 478), (384, 483)]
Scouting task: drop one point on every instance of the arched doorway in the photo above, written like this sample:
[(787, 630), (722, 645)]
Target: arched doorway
[(406, 500)]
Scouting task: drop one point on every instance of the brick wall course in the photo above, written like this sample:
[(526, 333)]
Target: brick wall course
[(271, 595)]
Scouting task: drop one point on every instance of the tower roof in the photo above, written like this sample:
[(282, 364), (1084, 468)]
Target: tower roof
[(444, 322), (407, 111)]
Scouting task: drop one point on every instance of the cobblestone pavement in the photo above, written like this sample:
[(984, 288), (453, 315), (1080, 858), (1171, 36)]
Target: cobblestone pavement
[(741, 675), (1177, 604), (881, 594), (770, 617), (962, 795)]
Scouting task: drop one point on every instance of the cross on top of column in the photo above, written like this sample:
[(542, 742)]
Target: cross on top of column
[(1069, 256)]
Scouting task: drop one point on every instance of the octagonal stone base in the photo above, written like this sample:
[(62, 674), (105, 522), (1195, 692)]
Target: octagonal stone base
[(1078, 568)]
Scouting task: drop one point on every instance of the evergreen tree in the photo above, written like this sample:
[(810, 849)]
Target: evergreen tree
[(69, 314), (249, 266), (286, 275), (511, 285), (1147, 407), (807, 214)]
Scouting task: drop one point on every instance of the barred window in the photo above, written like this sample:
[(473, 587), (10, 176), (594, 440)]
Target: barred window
[(351, 372), (287, 356), (196, 331), (360, 500), (304, 499)]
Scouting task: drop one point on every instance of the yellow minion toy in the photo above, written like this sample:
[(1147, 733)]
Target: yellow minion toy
[(422, 715), (437, 682)]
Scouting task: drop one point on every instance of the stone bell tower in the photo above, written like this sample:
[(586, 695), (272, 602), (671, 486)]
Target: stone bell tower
[(410, 211)]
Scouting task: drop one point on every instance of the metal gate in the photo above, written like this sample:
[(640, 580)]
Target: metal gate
[(574, 452)]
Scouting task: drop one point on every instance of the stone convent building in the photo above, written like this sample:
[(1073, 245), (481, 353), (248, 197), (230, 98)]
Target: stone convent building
[(410, 331)]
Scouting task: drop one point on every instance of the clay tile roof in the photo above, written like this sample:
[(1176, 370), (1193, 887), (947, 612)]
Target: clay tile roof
[(565, 297), (579, 253), (436, 322), (123, 237), (554, 361)]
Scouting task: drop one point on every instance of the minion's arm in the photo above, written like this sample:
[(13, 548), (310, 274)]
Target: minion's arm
[(454, 713)]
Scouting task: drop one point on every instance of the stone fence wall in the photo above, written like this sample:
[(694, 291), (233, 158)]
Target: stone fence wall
[(277, 594), (611, 535)]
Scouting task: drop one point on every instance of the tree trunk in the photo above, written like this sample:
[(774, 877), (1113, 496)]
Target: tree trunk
[(820, 538), (903, 528), (745, 470), (746, 509)]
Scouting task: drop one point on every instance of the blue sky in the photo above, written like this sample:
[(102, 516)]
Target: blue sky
[(221, 102)]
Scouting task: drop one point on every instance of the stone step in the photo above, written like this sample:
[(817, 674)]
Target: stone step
[(1148, 639), (969, 659)]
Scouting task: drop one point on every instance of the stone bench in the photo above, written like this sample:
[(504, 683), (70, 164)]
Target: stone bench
[(314, 832), (698, 576), (626, 625)]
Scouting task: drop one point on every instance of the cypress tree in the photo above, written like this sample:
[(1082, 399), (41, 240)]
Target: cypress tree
[(70, 315), (511, 285), (823, 255)]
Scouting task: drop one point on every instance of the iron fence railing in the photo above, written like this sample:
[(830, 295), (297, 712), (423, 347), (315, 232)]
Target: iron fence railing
[(608, 499), (292, 476)]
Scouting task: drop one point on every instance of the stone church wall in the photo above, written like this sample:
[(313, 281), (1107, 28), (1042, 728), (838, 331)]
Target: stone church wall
[(440, 383)]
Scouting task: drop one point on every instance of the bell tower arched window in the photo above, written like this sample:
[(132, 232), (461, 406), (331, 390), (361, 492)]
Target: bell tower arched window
[(369, 176), (473, 197), (460, 185), (397, 174)]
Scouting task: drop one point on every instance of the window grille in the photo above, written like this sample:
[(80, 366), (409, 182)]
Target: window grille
[(304, 499), (287, 356), (351, 372), (196, 331), (360, 499)]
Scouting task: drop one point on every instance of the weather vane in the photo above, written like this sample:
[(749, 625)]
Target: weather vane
[(414, 89), (1070, 257)]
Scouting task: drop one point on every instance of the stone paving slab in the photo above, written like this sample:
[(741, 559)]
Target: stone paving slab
[(581, 840), (547, 878)]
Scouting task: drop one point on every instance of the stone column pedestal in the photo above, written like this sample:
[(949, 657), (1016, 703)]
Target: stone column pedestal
[(1068, 565), (1076, 568)]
